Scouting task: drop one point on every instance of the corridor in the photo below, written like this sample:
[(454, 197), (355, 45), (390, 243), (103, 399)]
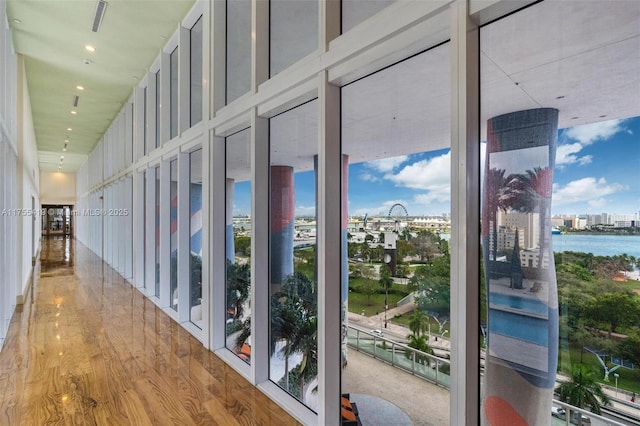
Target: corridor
[(87, 348)]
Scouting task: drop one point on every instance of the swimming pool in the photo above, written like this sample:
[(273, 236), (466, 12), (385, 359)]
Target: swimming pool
[(534, 306)]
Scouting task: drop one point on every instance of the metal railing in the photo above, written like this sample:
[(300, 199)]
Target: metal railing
[(429, 367), (436, 370)]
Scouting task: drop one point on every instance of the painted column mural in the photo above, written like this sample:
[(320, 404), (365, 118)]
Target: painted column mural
[(282, 222), (522, 345)]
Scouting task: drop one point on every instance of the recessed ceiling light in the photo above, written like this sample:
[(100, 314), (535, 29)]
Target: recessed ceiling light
[(80, 87), (69, 129), (73, 112), (64, 149), (90, 48), (66, 141), (17, 21), (62, 157)]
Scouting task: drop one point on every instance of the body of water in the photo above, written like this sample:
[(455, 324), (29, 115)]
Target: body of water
[(599, 245)]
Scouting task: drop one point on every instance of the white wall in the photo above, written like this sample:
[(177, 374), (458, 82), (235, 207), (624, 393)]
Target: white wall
[(57, 188), (28, 241)]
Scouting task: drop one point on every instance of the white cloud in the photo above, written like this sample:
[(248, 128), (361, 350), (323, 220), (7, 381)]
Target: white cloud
[(590, 133), (566, 154), (382, 209), (305, 211), (428, 175), (588, 189), (386, 165), (368, 177)]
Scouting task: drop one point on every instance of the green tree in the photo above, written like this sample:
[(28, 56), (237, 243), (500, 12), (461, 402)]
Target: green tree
[(615, 310), (583, 391), (368, 288), (418, 322)]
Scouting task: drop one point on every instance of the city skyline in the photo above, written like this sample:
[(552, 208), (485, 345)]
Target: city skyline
[(594, 173)]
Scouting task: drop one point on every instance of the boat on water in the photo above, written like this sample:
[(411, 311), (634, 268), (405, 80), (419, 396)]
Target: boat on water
[(555, 231)]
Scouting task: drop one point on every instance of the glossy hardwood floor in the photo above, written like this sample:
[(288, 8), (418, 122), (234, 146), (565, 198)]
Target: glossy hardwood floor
[(87, 348)]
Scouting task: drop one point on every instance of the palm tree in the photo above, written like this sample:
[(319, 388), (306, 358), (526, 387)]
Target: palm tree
[(419, 343), (497, 198), (583, 391), (535, 188), (419, 322), (294, 313)]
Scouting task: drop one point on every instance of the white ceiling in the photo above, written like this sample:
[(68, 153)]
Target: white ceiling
[(582, 57)]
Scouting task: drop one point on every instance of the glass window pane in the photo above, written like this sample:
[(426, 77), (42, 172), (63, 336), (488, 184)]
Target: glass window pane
[(396, 264), (293, 32), (195, 237), (157, 233), (196, 72), (559, 192), (144, 228), (173, 233), (239, 227), (173, 92), (356, 11), (144, 121), (293, 282), (238, 48), (158, 103)]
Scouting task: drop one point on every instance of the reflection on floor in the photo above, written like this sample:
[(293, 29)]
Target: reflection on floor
[(87, 348)]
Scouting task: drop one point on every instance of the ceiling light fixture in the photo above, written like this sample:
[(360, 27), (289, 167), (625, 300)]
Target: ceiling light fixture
[(69, 129), (101, 7), (73, 112), (64, 149), (90, 48), (80, 87), (17, 21)]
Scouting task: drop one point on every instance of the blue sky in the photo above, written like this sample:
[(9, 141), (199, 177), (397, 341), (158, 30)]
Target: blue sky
[(597, 170)]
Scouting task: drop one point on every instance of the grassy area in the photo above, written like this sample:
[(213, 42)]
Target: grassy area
[(370, 305)]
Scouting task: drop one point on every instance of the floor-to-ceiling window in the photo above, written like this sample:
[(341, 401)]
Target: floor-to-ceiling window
[(239, 226), (559, 200), (195, 86), (293, 279), (172, 233), (396, 268), (157, 232), (173, 93), (195, 237)]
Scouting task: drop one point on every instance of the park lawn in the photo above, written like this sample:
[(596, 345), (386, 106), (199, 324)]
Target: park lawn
[(373, 304), (629, 380)]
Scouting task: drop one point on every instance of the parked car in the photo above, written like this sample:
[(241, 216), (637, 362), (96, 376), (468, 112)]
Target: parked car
[(378, 333)]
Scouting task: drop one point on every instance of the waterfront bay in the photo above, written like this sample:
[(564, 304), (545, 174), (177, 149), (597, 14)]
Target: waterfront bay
[(599, 245)]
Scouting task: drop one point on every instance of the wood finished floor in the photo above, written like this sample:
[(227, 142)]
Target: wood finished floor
[(86, 348)]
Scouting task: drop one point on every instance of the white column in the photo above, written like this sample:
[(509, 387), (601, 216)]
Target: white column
[(465, 218), (260, 193), (329, 210), (218, 232), (139, 219)]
